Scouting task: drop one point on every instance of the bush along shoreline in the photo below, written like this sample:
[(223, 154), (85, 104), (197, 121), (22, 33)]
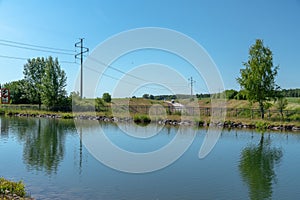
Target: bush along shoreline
[(143, 120), (13, 190)]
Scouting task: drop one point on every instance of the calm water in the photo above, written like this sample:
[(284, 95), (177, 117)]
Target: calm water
[(48, 155)]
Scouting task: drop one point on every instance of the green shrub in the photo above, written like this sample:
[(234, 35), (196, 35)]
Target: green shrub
[(17, 188), (145, 119), (106, 97), (260, 125), (67, 116)]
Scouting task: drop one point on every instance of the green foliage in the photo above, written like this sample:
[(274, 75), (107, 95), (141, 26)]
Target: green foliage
[(261, 125), (241, 95), (145, 119), (53, 84), (17, 91), (281, 105), (258, 78), (67, 116), (294, 117), (44, 144), (231, 94), (34, 71), (291, 92), (44, 82), (17, 188), (2, 112), (100, 105), (151, 97), (200, 96), (146, 96), (106, 97), (257, 168)]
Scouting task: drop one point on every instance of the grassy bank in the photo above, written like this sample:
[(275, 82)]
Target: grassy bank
[(237, 111)]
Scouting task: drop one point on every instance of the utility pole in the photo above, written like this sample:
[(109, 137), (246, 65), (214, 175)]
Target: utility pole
[(192, 83), (82, 51)]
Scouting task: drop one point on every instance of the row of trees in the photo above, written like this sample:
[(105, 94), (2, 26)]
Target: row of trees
[(291, 92), (158, 97), (44, 82)]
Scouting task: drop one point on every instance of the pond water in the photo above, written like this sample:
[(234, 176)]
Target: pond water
[(48, 156)]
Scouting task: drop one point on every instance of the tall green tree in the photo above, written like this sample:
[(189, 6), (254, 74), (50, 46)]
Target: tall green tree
[(258, 78), (53, 90), (34, 71)]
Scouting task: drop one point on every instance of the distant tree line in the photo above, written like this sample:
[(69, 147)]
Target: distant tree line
[(291, 92), (158, 97), (242, 95), (229, 94)]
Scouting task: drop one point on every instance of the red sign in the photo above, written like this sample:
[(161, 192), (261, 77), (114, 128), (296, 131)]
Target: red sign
[(5, 96)]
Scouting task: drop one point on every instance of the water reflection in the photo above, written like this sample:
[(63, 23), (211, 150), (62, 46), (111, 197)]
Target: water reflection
[(44, 147), (44, 140), (257, 168), (4, 124)]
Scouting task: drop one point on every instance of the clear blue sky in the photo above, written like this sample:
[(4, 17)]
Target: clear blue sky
[(225, 29)]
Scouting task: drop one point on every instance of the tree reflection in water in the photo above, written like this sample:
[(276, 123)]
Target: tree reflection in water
[(44, 147), (257, 168), (44, 140)]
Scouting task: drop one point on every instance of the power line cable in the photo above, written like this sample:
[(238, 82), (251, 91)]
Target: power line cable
[(59, 51), (22, 58), (109, 76), (126, 73), (34, 49), (118, 79), (13, 57), (36, 46), (118, 70)]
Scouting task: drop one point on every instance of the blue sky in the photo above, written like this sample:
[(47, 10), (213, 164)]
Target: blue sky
[(226, 29)]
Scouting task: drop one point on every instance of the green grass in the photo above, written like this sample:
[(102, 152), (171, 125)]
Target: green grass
[(293, 100)]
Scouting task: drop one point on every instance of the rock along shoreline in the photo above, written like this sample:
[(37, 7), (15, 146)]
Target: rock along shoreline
[(226, 124)]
